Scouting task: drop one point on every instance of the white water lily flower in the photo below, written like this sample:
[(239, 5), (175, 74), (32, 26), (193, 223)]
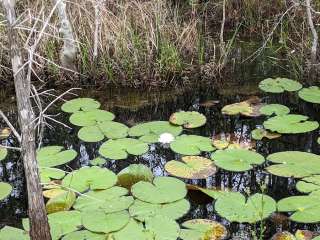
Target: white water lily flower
[(166, 138)]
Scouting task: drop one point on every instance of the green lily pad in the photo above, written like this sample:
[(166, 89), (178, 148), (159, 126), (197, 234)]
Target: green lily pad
[(311, 94), (259, 134), (134, 173), (191, 145), (132, 231), (236, 160), (121, 148), (90, 134), (192, 167), (211, 192), (3, 153), (47, 174), (11, 233), (142, 210), (203, 229), (84, 104), (318, 140), (163, 228), (236, 208), (294, 164), (93, 178), (5, 190), (291, 123), (248, 108), (113, 130), (100, 222), (110, 200), (97, 161), (90, 118), (84, 235), (53, 156), (274, 109), (188, 119), (309, 184), (62, 202), (61, 223), (150, 132), (163, 190), (305, 209), (279, 85)]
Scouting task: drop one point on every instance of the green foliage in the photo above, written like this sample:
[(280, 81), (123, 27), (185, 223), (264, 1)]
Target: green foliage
[(188, 119), (90, 117), (134, 173), (80, 104), (84, 235), (5, 190), (61, 202), (279, 85), (191, 145), (3, 153), (309, 184), (248, 108), (11, 233), (52, 156), (46, 174), (276, 109), (311, 94), (259, 134)]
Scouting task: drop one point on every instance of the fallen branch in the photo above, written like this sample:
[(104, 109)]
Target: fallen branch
[(15, 132)]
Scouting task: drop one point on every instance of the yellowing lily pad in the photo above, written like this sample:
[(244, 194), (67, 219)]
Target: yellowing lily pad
[(191, 145), (84, 104), (3, 153), (279, 85), (259, 134), (5, 133), (311, 94), (283, 236), (248, 108), (53, 156), (134, 173), (192, 167), (188, 119), (61, 202)]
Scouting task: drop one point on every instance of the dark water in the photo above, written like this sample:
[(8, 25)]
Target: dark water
[(134, 106)]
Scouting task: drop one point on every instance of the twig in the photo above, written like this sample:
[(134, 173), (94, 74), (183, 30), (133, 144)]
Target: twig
[(12, 148), (10, 126), (314, 33)]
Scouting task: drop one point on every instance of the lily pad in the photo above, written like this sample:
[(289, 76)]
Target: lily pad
[(283, 236), (305, 209), (291, 123), (134, 173), (232, 141), (84, 104), (53, 192), (121, 148), (90, 118), (47, 174), (5, 133), (202, 229), (5, 190), (279, 85), (150, 132), (132, 231), (236, 208), (259, 134), (113, 130), (192, 167), (62, 202), (100, 222), (294, 164), (11, 233), (3, 153), (274, 109), (90, 134), (191, 145), (142, 211), (53, 156), (93, 178), (311, 94), (309, 184), (248, 108), (237, 160), (97, 161), (84, 235), (188, 119), (162, 190), (163, 228), (110, 200)]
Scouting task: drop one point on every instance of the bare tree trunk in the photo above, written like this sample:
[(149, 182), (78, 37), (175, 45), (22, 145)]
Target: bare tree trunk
[(39, 227), (314, 33)]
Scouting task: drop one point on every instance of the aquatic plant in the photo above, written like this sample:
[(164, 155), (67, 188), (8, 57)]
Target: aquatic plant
[(188, 119), (279, 85), (3, 153), (52, 156), (311, 94), (80, 104), (248, 108), (5, 190), (134, 173), (191, 145), (260, 133), (274, 109), (309, 184)]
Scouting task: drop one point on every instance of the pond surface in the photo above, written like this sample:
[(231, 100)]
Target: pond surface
[(136, 106)]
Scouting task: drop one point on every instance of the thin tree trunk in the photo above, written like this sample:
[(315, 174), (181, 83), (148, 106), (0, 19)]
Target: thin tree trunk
[(314, 33), (39, 227)]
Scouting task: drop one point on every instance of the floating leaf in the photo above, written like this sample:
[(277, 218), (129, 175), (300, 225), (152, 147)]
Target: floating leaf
[(236, 208), (274, 109), (188, 119), (211, 192), (132, 231), (110, 200), (279, 85), (311, 94), (113, 130), (232, 141), (90, 118), (90, 134), (236, 160), (249, 108), (84, 235), (3, 153), (294, 164), (11, 233), (120, 148), (306, 209), (163, 190), (62, 202), (134, 173), (191, 145), (78, 104), (192, 167), (150, 132), (259, 134), (309, 184), (304, 235), (97, 161), (142, 210), (291, 123), (93, 178), (53, 156), (54, 192), (163, 228), (46, 174), (202, 229), (5, 133), (283, 236), (5, 190), (98, 221)]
